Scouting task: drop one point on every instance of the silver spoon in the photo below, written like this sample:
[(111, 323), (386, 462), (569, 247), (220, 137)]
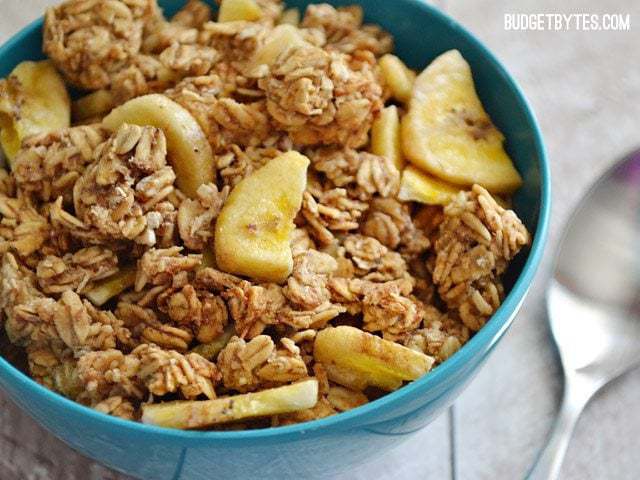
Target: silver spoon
[(593, 300)]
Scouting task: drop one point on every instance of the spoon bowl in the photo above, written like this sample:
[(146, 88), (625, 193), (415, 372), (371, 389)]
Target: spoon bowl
[(593, 300)]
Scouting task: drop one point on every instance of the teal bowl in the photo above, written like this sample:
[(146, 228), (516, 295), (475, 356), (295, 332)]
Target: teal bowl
[(335, 444)]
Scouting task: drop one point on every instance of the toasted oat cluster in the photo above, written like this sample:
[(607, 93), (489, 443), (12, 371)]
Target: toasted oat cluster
[(251, 217)]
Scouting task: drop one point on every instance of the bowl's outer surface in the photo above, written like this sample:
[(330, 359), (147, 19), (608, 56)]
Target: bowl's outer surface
[(322, 447)]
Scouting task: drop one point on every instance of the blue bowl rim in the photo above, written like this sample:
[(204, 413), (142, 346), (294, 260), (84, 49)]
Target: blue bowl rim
[(482, 340)]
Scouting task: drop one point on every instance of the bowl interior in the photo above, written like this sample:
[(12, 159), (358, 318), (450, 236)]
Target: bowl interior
[(421, 32)]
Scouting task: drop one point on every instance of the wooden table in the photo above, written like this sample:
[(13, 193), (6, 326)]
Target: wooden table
[(585, 89)]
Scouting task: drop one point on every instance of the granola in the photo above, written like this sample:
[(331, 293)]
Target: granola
[(197, 216), (118, 195), (116, 406), (225, 121), (363, 173), (48, 165), (110, 279), (248, 366), (389, 221), (473, 246), (147, 369), (91, 40), (344, 31), (143, 74), (54, 368), (236, 41), (322, 97), (331, 211), (182, 28), (76, 271), (69, 322), (23, 229)]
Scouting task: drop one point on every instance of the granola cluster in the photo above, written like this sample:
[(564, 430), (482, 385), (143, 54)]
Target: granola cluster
[(92, 40), (108, 278)]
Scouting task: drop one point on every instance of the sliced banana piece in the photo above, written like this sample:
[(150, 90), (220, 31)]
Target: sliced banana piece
[(112, 286), (236, 10), (33, 100), (253, 230), (357, 359), (448, 133), (188, 150), (279, 39), (198, 414), (417, 186), (385, 136), (397, 76)]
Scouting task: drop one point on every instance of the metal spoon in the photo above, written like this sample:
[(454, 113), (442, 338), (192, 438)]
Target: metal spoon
[(593, 300)]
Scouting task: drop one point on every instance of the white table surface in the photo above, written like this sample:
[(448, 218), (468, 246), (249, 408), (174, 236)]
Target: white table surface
[(585, 90)]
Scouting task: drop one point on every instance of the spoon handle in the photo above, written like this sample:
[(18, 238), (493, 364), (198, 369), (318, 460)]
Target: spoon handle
[(576, 395)]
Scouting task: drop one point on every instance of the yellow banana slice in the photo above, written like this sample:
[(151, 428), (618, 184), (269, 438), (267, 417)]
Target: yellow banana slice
[(280, 39), (112, 286), (188, 150), (385, 136), (357, 359), (253, 231), (417, 186), (397, 76), (33, 100), (236, 10), (198, 414), (448, 133)]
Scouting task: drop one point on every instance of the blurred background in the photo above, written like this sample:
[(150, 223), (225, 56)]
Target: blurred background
[(584, 87)]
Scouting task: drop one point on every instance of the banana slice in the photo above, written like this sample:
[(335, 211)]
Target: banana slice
[(357, 359), (280, 39), (187, 147), (417, 186), (112, 286), (397, 76), (33, 100), (254, 228), (448, 133), (385, 136), (198, 414), (235, 10)]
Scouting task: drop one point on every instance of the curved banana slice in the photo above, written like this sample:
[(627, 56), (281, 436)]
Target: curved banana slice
[(417, 186), (397, 76), (281, 38), (385, 136), (188, 150), (112, 286), (253, 230), (236, 10), (357, 359), (203, 413), (448, 133), (33, 100)]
